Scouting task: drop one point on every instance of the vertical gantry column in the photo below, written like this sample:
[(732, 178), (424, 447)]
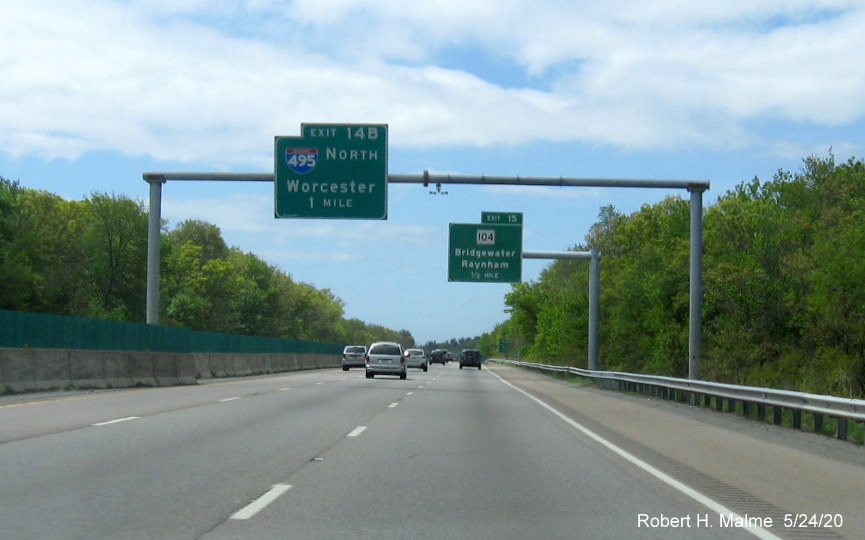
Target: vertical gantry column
[(594, 308), (695, 334), (154, 245)]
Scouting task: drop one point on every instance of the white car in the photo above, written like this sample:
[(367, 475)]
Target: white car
[(353, 356), (416, 358), (385, 358)]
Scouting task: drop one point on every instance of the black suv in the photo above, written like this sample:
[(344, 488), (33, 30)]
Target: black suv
[(470, 357), (440, 356)]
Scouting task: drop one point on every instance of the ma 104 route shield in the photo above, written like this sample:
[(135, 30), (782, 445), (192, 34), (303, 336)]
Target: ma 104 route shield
[(332, 171), (487, 252)]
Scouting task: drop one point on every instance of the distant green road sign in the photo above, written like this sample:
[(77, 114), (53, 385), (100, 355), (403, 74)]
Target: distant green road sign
[(503, 218), (332, 171), (485, 253)]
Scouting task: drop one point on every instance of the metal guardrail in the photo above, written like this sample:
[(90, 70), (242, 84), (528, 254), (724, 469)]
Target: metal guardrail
[(701, 393)]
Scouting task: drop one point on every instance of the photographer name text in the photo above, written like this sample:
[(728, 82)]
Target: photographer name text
[(744, 521)]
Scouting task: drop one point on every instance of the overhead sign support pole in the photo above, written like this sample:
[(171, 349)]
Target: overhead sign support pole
[(594, 256), (695, 338), (154, 223), (154, 248), (594, 309)]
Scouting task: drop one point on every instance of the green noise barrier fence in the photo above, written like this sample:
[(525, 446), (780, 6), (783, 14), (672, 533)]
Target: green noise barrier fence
[(20, 329), (48, 352)]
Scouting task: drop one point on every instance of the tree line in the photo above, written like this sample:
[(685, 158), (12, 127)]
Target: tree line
[(88, 258), (454, 345), (783, 279)]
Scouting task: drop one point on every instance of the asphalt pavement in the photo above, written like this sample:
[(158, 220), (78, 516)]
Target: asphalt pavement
[(492, 453)]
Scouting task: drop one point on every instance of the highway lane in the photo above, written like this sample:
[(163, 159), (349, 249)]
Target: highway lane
[(36, 414), (446, 454), (182, 466), (467, 457)]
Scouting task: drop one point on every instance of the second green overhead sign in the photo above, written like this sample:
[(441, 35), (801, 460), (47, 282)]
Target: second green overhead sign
[(485, 253)]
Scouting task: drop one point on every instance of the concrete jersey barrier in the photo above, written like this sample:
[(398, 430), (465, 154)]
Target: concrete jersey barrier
[(36, 369)]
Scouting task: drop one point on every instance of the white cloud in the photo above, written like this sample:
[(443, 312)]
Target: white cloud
[(250, 216), (243, 213), (176, 81)]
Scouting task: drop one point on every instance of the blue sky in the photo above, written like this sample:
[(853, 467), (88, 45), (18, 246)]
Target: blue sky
[(97, 92)]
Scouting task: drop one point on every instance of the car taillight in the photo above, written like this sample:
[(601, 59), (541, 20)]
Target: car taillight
[(367, 359), (402, 359)]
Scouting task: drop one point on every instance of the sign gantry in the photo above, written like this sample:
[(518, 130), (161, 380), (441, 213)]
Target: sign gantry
[(302, 156)]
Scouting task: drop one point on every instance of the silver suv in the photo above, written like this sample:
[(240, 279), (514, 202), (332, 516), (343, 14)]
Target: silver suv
[(353, 356), (385, 358)]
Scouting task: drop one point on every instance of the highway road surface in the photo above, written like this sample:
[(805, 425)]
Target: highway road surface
[(497, 453)]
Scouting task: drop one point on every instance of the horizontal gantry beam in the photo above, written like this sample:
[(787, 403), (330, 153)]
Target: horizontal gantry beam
[(429, 178)]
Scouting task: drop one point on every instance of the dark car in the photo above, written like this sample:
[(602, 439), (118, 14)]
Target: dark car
[(438, 356), (470, 357)]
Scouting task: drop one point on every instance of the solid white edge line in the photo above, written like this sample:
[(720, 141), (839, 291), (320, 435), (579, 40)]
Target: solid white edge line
[(116, 421), (262, 502), (356, 431), (669, 480)]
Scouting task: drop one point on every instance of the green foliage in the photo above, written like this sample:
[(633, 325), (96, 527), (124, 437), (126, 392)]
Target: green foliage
[(454, 345), (88, 258), (114, 242), (489, 343), (70, 257), (556, 333), (784, 287), (524, 305), (16, 269)]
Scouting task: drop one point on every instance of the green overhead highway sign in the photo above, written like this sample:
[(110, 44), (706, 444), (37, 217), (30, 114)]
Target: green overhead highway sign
[(485, 252), (332, 171)]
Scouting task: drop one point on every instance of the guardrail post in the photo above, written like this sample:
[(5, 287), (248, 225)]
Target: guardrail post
[(842, 428)]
